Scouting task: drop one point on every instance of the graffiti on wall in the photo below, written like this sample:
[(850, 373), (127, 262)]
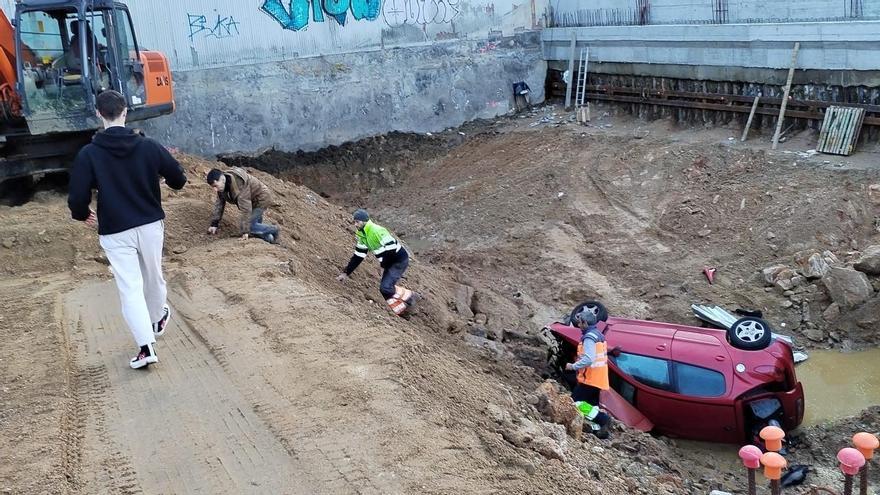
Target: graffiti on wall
[(295, 15), (222, 27), (419, 12)]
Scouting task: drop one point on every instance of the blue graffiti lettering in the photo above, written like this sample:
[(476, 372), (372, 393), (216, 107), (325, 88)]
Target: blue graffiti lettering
[(296, 16), (224, 27)]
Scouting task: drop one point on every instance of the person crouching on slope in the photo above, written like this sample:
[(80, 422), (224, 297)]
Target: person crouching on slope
[(250, 195), (393, 258)]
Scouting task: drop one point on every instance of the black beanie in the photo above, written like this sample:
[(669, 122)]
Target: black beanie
[(361, 215)]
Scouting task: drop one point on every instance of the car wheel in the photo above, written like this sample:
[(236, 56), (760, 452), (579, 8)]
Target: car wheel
[(596, 307), (750, 334)]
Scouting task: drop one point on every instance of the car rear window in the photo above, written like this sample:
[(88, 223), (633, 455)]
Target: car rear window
[(652, 372), (698, 382)]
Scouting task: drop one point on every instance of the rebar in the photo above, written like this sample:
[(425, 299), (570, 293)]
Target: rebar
[(775, 488)]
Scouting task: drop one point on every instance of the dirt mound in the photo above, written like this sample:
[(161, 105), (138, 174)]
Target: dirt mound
[(271, 372)]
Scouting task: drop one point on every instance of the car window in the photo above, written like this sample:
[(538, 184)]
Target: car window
[(652, 372), (698, 382)]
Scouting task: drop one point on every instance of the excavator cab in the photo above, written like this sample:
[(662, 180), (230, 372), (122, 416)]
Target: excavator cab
[(55, 58), (68, 52)]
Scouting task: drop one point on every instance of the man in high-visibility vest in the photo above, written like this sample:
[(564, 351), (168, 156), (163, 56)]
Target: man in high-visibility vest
[(592, 372), (393, 258)]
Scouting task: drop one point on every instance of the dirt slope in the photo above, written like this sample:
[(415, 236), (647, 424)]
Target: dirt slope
[(274, 378)]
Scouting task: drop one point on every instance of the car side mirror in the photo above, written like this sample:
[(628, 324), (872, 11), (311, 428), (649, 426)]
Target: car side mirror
[(615, 351)]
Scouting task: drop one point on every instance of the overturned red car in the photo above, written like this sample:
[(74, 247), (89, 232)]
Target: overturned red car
[(690, 382)]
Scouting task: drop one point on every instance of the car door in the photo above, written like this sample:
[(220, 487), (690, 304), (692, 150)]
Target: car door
[(641, 371), (702, 375)]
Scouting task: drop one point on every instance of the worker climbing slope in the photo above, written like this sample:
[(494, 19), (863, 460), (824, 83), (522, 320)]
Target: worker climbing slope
[(393, 258)]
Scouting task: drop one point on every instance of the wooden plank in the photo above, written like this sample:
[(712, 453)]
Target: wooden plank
[(571, 80), (751, 116), (855, 141), (840, 130), (794, 53), (823, 133)]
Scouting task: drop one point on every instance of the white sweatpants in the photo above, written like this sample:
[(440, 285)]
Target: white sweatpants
[(136, 258)]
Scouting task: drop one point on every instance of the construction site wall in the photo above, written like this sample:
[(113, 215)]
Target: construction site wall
[(700, 68), (303, 74), (572, 13)]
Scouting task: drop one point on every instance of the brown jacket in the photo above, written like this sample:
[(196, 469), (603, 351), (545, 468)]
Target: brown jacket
[(246, 192)]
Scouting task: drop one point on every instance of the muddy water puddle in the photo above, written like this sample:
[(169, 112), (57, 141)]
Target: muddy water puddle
[(839, 384)]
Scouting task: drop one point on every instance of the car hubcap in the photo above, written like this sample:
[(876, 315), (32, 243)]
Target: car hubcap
[(592, 309), (750, 331)]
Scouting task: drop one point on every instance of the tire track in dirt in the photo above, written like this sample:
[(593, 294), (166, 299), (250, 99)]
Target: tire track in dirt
[(306, 436), (181, 426)]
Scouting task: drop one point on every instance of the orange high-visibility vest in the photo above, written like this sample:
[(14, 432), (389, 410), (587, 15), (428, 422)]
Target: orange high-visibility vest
[(596, 374)]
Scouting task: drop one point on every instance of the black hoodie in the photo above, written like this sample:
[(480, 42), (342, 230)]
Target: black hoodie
[(124, 167)]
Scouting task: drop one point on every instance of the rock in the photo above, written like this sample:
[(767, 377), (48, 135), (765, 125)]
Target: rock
[(495, 333), (770, 273), (515, 436), (870, 261), (497, 414), (179, 249), (811, 264), (847, 287), (464, 299), (814, 334), (559, 408), (782, 277), (480, 319), (719, 492), (478, 331), (771, 236), (9, 242), (495, 348), (787, 304), (874, 193), (704, 232), (548, 448), (831, 312)]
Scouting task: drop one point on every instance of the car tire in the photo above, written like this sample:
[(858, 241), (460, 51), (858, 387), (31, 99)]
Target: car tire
[(597, 308), (749, 334)]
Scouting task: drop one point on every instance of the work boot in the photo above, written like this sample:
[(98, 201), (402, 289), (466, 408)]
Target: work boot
[(159, 328), (145, 357), (603, 432)]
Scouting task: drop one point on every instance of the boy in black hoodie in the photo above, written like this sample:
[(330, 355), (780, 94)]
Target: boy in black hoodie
[(125, 168)]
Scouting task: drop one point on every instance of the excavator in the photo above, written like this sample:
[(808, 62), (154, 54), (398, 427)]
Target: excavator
[(56, 56)]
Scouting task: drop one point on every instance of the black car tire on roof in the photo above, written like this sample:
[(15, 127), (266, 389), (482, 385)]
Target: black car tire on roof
[(749, 334), (595, 306)]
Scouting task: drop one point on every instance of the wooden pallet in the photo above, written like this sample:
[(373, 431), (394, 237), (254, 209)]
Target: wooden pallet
[(840, 130)]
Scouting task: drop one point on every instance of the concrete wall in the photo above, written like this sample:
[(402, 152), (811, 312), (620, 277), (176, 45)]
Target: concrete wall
[(843, 51), (602, 12), (297, 74), (314, 102)]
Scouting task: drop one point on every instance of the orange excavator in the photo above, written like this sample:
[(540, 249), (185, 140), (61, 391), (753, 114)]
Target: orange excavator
[(56, 56)]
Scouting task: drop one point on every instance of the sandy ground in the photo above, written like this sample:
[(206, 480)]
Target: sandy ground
[(275, 378)]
